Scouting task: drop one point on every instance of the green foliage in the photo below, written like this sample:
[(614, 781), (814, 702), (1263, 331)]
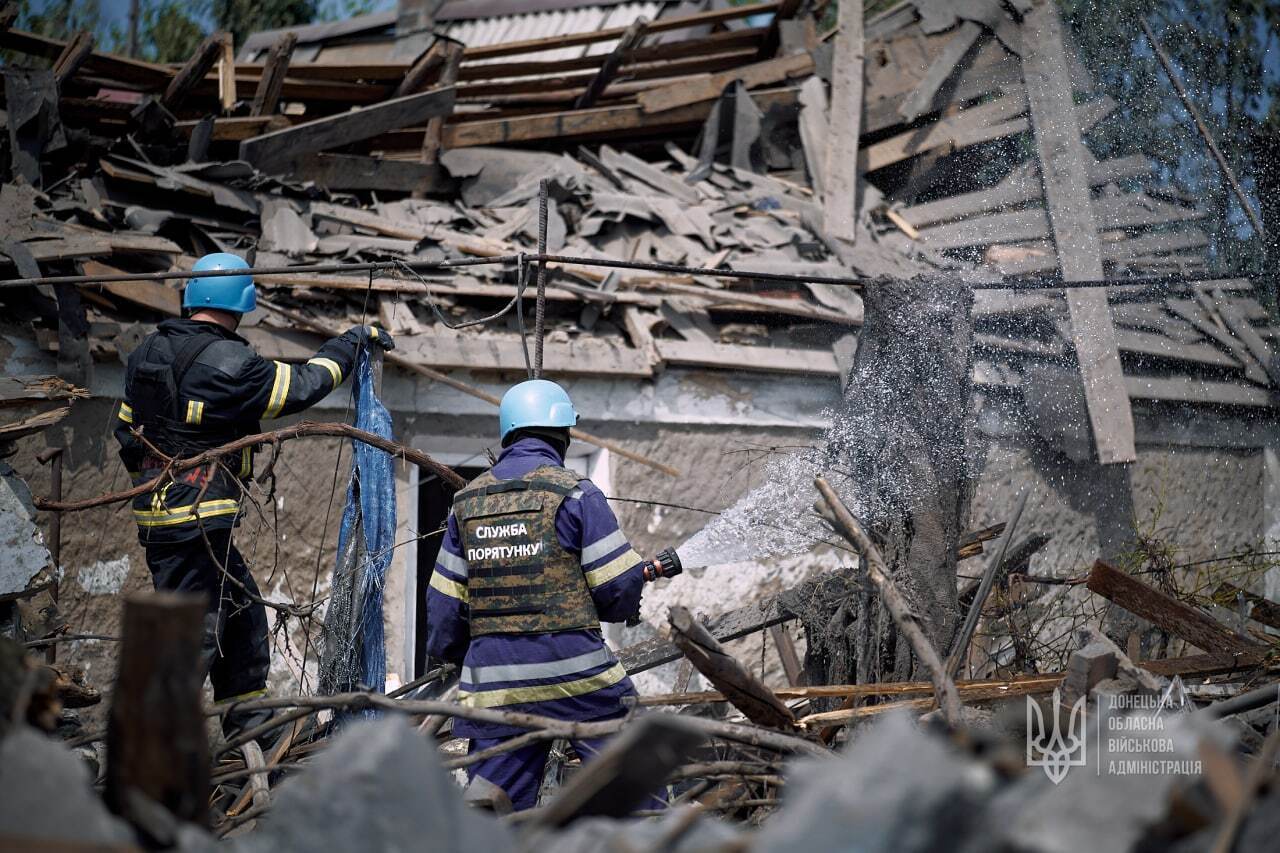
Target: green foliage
[(1220, 49), (167, 32), (242, 17), (343, 9), (59, 19)]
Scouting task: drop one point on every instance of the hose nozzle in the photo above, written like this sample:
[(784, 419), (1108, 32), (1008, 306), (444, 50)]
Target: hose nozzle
[(665, 565)]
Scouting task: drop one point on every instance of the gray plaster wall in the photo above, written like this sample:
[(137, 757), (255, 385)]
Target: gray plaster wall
[(1201, 502), (103, 563)]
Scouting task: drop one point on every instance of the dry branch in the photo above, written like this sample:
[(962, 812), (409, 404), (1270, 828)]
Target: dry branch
[(738, 733), (306, 428)]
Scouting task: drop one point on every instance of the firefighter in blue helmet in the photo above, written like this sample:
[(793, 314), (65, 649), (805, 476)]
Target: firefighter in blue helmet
[(193, 385), (532, 561)]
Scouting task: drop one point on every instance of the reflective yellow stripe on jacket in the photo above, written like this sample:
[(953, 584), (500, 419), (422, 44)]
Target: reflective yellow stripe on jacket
[(279, 390), (126, 413), (331, 366), (195, 411), (161, 516)]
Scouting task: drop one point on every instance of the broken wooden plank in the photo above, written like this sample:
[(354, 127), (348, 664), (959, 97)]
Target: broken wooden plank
[(626, 773), (149, 75), (1065, 173), (968, 689), (1207, 664), (621, 161), (1192, 313), (149, 294), (813, 131), (944, 65), (708, 87), (266, 98), (1166, 612), (156, 741), (72, 57), (357, 172), (1039, 256), (1184, 389), (22, 390), (1149, 343), (840, 174), (577, 124), (743, 690), (430, 154), (994, 120), (238, 128), (1242, 329), (621, 53), (227, 74), (1260, 609), (190, 75), (1020, 186), (737, 357), (278, 148), (786, 648), (1130, 210), (423, 68)]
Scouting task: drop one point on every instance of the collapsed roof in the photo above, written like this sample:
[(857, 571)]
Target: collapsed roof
[(696, 138)]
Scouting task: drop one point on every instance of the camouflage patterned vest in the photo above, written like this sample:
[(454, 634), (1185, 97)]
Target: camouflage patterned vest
[(520, 580)]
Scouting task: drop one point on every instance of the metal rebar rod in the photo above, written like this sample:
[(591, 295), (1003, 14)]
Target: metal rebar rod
[(984, 589), (1203, 129), (540, 317)]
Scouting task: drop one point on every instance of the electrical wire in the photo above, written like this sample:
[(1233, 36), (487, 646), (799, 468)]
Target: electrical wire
[(1041, 282)]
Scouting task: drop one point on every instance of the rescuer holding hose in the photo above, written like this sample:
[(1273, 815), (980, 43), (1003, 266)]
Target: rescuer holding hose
[(532, 561), (194, 385)]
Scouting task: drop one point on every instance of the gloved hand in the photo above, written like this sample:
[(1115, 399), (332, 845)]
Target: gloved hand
[(373, 336)]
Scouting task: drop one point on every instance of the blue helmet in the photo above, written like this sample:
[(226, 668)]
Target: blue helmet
[(536, 403), (226, 292)]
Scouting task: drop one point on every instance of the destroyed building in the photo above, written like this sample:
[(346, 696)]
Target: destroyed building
[(1137, 421)]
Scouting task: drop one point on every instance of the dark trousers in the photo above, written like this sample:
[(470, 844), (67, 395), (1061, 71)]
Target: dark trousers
[(236, 652)]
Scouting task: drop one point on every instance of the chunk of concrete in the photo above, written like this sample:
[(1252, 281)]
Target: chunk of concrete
[(380, 786), (46, 795), (1087, 667), (895, 788), (23, 555)]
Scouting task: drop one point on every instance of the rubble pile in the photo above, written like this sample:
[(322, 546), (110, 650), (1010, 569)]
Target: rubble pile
[(712, 188)]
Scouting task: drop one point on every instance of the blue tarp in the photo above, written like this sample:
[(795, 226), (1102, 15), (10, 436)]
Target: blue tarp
[(371, 508)]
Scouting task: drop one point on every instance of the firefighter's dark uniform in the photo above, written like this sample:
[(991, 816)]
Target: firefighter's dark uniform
[(532, 561), (189, 387)]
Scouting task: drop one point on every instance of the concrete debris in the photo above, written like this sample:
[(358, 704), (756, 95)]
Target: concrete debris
[(24, 559), (893, 789), (46, 794), (379, 786)]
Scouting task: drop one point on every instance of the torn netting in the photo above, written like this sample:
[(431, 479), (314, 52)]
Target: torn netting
[(354, 655)]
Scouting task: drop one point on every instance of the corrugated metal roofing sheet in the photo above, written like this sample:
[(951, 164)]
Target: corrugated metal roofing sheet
[(536, 25), (470, 31)]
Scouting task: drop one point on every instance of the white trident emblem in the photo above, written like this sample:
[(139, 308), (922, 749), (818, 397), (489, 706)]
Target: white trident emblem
[(1057, 754)]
